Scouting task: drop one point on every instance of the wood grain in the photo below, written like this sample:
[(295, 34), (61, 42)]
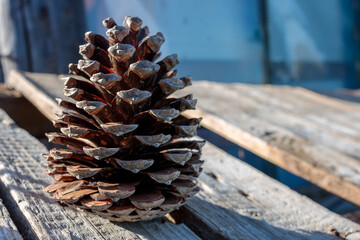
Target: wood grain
[(235, 201), (34, 93), (266, 105), (22, 181), (242, 203), (8, 229), (309, 113), (305, 107), (340, 104), (238, 202), (272, 135)]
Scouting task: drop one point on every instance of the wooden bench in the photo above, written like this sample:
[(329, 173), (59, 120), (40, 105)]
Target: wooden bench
[(310, 135), (235, 201)]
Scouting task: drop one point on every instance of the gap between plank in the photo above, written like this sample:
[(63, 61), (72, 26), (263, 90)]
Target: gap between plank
[(194, 223), (16, 214)]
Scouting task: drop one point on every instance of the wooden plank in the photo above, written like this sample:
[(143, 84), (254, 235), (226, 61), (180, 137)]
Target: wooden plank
[(21, 184), (34, 94), (262, 106), (349, 96), (238, 202), (330, 169), (235, 196), (293, 117), (329, 101), (320, 113), (8, 229), (281, 98)]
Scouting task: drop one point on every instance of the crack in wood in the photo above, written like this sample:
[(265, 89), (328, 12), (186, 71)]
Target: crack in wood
[(100, 234), (212, 175), (337, 233), (196, 224), (243, 193)]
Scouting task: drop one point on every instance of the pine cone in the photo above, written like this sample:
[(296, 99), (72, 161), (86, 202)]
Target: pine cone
[(130, 155)]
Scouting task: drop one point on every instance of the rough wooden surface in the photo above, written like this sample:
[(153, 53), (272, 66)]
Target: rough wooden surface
[(8, 229), (235, 202), (235, 198), (293, 128), (238, 202), (34, 93), (320, 110), (38, 216)]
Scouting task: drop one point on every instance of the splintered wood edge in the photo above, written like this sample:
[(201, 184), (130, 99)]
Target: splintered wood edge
[(38, 98)]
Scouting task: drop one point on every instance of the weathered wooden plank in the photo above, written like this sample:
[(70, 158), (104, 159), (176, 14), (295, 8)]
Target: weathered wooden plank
[(329, 101), (235, 202), (349, 96), (235, 196), (262, 106), (277, 98), (238, 202), (8, 229), (22, 181), (34, 93), (330, 169), (326, 115)]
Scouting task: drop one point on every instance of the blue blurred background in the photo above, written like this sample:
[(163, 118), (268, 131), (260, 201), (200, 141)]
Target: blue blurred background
[(314, 44)]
